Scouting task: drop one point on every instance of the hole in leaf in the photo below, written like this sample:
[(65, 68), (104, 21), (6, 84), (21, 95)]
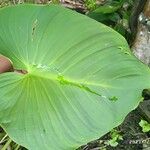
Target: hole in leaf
[(34, 25)]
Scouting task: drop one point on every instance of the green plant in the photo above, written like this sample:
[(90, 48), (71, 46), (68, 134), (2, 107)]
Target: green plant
[(145, 125), (115, 137), (115, 13), (107, 12), (90, 4), (75, 79)]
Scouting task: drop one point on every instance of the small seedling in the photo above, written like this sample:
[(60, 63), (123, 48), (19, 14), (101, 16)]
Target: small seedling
[(115, 138), (145, 125)]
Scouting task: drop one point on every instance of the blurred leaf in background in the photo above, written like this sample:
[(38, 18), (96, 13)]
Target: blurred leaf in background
[(116, 14)]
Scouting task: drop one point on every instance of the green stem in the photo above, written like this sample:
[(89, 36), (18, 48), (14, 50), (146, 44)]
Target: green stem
[(17, 147), (6, 144), (3, 139)]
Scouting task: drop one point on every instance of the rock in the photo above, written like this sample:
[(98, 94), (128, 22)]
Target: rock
[(141, 46)]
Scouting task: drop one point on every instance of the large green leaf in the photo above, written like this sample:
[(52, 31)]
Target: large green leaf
[(82, 79)]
